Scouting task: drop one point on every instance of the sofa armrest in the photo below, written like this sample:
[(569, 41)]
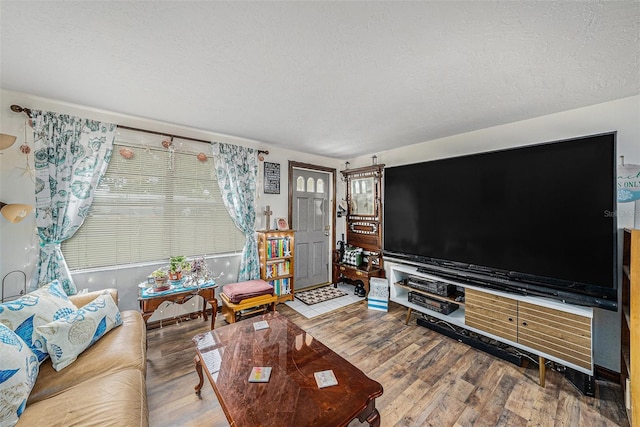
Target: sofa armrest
[(80, 300)]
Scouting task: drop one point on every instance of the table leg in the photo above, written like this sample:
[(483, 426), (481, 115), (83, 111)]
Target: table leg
[(541, 370), (198, 363), (370, 415), (409, 310), (374, 419), (204, 309), (214, 312)]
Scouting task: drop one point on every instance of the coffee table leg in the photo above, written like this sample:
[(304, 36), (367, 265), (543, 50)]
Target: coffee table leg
[(200, 376), (370, 415), (374, 419)]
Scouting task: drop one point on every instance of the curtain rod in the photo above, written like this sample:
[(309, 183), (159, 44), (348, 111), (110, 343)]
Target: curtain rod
[(162, 134), (18, 109)]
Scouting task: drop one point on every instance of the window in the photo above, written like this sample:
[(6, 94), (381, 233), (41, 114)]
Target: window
[(152, 206)]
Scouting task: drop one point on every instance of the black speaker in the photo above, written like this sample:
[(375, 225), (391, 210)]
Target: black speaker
[(583, 382), (516, 359)]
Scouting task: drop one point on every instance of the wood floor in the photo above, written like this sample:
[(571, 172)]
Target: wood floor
[(428, 379)]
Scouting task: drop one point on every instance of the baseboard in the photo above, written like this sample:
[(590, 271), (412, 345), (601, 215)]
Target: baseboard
[(606, 374), (174, 320)]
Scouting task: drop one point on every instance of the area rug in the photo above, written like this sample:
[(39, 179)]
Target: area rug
[(317, 295)]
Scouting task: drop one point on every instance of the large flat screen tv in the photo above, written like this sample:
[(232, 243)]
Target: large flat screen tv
[(537, 220)]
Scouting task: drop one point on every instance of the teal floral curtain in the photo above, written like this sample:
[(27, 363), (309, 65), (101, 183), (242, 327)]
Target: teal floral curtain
[(237, 172), (71, 156)]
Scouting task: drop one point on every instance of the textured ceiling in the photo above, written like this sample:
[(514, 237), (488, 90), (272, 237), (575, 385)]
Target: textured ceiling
[(340, 79)]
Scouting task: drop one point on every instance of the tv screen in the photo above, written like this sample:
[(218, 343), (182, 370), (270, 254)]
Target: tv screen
[(543, 216)]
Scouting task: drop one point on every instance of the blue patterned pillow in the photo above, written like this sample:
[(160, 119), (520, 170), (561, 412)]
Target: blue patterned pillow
[(66, 338), (19, 369), (36, 308)]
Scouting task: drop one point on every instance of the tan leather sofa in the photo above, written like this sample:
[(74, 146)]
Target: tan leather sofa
[(105, 386)]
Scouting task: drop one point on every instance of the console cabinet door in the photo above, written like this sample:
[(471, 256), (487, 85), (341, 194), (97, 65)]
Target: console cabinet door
[(566, 336), (492, 313)]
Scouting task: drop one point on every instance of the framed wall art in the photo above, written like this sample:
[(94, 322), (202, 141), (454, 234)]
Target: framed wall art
[(271, 178)]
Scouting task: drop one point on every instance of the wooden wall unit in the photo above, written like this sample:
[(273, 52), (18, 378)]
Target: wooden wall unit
[(276, 253), (630, 324), (364, 224)]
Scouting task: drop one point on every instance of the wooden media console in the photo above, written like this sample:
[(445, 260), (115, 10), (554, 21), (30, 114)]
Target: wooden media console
[(550, 329)]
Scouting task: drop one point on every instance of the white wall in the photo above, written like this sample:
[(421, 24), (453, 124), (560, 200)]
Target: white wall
[(19, 243), (622, 115)]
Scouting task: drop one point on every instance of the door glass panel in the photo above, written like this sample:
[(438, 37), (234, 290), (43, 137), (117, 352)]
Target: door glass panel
[(300, 184), (311, 185), (320, 186)]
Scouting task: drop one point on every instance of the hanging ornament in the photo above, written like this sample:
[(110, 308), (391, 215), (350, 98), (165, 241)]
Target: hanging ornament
[(167, 143), (126, 153), (202, 157), (25, 149)]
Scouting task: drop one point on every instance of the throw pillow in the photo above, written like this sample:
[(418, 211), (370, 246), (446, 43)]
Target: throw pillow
[(19, 369), (66, 338), (352, 256), (36, 308)]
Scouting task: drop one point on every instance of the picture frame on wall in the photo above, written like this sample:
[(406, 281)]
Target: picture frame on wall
[(282, 224), (271, 178)]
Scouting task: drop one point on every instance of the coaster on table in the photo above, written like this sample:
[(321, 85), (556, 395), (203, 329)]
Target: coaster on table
[(325, 378), (263, 324), (260, 374)]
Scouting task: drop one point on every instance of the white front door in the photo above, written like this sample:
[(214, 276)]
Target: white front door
[(311, 215)]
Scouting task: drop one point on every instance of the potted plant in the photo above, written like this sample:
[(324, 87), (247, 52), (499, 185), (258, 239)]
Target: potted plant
[(161, 279), (176, 265)]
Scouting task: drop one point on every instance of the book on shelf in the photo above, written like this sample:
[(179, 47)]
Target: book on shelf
[(278, 247), (278, 269), (281, 286)]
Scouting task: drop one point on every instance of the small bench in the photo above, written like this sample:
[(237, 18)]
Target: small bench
[(253, 296)]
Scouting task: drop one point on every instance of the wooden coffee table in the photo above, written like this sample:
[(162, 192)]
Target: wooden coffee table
[(291, 397)]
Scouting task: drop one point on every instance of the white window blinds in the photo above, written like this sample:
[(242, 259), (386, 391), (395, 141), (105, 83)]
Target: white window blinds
[(157, 204)]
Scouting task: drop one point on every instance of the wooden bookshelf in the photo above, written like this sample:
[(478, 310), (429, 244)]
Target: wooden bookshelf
[(276, 253), (630, 324)]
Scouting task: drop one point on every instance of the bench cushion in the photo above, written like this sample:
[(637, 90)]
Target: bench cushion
[(243, 290)]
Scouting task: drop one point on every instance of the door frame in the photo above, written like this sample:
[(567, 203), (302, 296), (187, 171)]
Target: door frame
[(332, 195)]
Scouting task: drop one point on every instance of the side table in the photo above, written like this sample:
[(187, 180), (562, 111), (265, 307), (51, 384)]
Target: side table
[(179, 293)]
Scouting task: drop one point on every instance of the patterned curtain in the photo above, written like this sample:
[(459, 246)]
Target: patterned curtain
[(237, 172), (71, 156)]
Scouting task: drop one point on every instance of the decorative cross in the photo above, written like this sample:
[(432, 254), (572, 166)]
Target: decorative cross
[(268, 213)]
